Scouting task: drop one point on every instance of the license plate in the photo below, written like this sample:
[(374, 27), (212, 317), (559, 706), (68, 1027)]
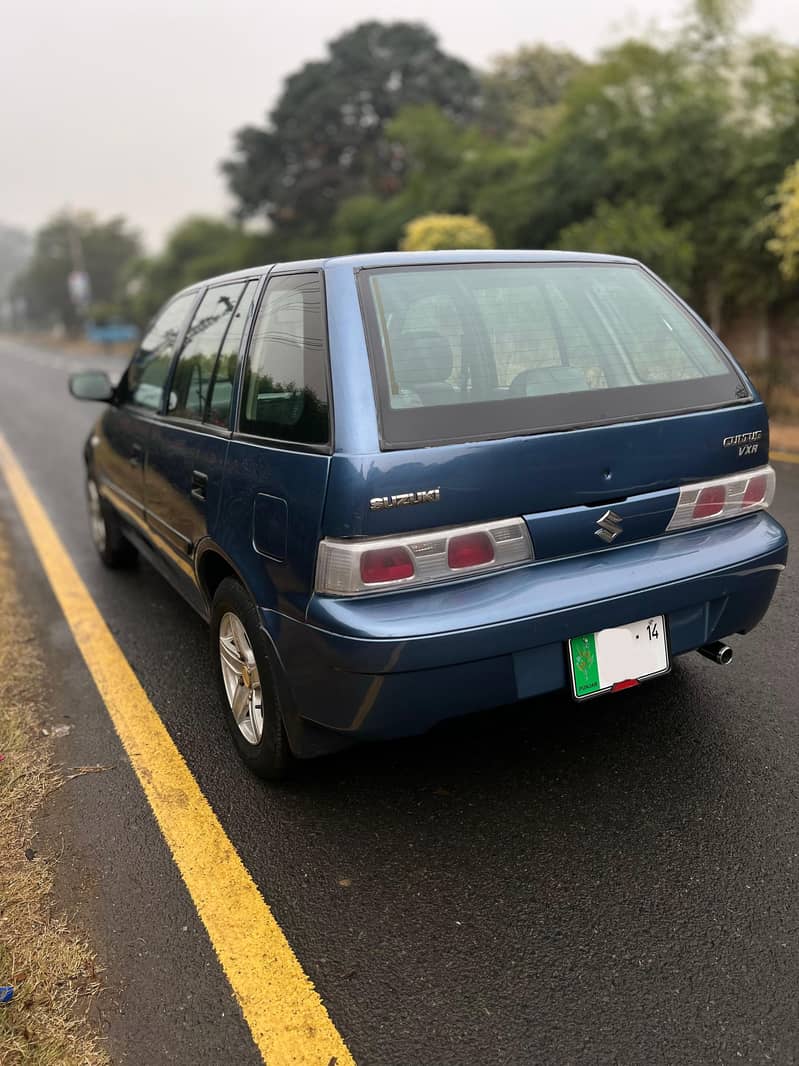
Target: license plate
[(614, 658)]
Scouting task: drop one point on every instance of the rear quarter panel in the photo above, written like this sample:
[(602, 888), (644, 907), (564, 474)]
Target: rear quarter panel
[(277, 564)]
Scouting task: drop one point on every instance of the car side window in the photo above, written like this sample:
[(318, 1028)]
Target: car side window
[(285, 385), (144, 380), (221, 392), (195, 366)]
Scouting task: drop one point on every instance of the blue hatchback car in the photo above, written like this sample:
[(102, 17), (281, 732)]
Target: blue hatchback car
[(406, 487)]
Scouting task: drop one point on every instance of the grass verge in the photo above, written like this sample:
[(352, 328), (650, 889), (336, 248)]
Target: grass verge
[(52, 970)]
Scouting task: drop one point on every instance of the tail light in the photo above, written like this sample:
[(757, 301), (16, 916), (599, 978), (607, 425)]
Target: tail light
[(386, 564), (724, 497), (347, 567), (469, 549), (710, 502)]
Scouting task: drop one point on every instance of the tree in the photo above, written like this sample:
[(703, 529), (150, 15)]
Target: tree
[(445, 165), (197, 248), (430, 232), (15, 249), (695, 128), (68, 242), (635, 230), (523, 92), (368, 224), (785, 223), (326, 141)]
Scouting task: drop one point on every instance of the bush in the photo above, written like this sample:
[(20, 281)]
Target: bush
[(635, 230), (431, 232), (785, 221)]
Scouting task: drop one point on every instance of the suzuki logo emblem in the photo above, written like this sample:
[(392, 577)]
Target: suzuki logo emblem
[(610, 525)]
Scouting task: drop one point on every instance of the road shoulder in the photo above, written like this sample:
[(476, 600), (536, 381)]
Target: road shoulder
[(114, 877), (48, 971)]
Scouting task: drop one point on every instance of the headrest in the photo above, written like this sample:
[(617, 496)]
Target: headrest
[(421, 357), (548, 381)]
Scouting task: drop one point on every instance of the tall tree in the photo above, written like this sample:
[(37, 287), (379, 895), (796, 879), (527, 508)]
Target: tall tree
[(636, 230), (104, 249), (15, 248), (523, 91), (326, 141), (197, 248)]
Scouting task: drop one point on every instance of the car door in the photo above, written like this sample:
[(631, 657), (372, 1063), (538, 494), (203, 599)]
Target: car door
[(279, 455), (188, 440), (123, 434)]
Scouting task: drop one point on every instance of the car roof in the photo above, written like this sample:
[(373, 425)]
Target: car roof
[(399, 259)]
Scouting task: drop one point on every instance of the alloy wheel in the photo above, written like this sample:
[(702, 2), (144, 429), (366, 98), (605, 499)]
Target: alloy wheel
[(96, 518), (241, 678)]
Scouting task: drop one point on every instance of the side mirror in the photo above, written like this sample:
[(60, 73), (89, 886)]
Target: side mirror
[(91, 385)]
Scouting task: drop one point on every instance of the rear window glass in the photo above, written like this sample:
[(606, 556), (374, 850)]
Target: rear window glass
[(463, 352)]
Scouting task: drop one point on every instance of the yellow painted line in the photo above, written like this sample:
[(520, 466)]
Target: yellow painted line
[(287, 1019), (784, 457)]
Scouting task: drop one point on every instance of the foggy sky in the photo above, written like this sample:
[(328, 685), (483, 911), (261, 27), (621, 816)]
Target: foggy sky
[(127, 106)]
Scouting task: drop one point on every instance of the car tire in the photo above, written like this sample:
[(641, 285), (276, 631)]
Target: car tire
[(249, 692), (112, 546)]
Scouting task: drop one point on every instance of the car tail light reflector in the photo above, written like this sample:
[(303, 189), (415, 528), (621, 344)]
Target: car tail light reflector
[(386, 564), (352, 566), (756, 491), (469, 549), (724, 497), (710, 501)]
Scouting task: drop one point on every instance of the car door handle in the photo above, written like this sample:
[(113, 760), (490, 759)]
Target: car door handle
[(199, 484), (136, 453)]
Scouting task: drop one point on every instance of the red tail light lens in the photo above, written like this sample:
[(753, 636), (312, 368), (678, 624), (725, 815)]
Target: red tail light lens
[(710, 501), (469, 549), (755, 490), (386, 564)]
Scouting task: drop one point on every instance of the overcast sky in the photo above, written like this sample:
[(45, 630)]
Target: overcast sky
[(127, 106)]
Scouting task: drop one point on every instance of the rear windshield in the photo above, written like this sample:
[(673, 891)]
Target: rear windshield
[(489, 350)]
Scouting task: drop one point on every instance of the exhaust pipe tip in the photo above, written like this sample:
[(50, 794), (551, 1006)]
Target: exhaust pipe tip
[(717, 652)]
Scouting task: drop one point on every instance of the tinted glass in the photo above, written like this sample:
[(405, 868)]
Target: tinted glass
[(221, 396), (285, 387), (143, 384), (490, 350), (195, 366)]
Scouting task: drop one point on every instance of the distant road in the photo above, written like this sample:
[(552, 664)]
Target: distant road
[(550, 885)]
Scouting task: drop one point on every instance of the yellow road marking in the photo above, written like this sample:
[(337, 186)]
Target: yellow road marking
[(784, 457), (287, 1019)]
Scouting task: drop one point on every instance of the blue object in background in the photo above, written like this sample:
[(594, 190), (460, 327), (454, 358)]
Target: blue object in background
[(6, 993), (112, 333)]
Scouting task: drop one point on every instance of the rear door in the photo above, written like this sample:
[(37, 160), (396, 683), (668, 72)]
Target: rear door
[(188, 442), (120, 453), (279, 454), (553, 390)]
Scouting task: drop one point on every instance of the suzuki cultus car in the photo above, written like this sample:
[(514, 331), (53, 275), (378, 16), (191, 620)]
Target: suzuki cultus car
[(406, 487)]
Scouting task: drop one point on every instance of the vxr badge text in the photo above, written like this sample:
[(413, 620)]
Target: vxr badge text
[(748, 443)]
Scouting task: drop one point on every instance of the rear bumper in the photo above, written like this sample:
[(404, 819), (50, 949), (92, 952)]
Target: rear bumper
[(396, 664)]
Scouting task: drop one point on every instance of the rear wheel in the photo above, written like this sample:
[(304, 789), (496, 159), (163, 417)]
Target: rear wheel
[(113, 548), (247, 685)]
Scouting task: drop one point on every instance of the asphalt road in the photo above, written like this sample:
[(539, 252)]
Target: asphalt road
[(547, 884)]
